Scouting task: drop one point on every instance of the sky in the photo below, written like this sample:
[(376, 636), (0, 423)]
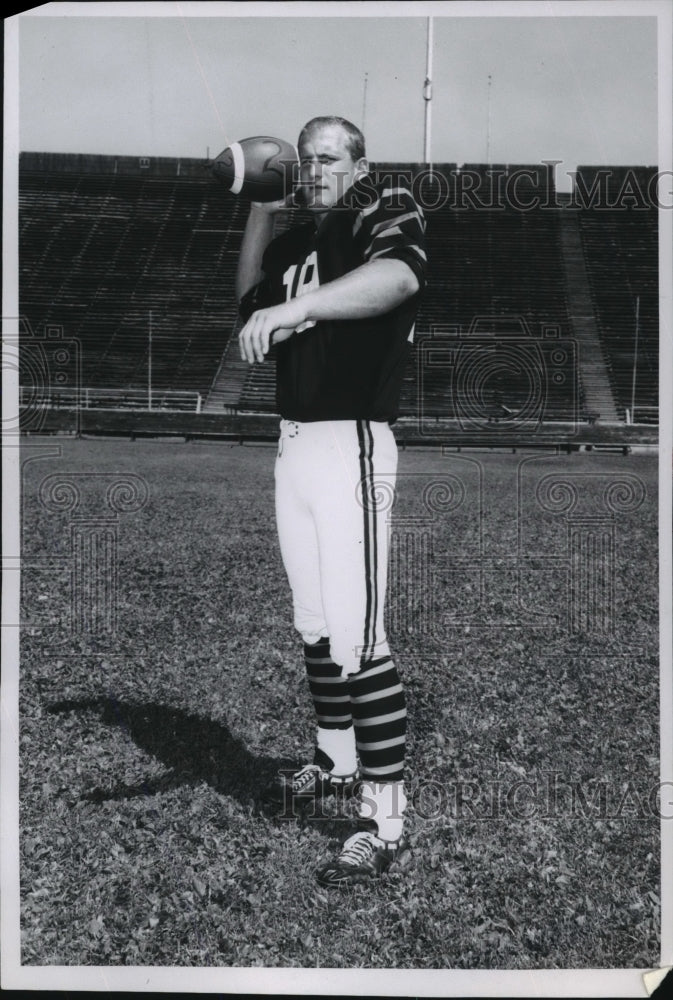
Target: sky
[(170, 82)]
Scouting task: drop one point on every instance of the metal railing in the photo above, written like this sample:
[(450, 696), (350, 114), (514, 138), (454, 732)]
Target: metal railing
[(89, 398), (642, 415), (646, 414)]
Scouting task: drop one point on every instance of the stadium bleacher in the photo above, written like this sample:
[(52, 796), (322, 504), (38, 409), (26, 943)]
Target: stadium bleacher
[(100, 252), (118, 254), (619, 228), (496, 292)]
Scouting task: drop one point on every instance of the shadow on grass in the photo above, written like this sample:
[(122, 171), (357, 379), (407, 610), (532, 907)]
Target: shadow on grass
[(195, 749)]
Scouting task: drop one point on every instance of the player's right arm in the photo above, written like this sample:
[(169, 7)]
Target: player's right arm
[(257, 235), (250, 277)]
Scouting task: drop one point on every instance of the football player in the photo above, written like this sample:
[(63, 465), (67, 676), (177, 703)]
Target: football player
[(339, 297)]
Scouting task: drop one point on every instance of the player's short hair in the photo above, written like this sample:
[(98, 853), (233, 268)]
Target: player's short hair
[(355, 140)]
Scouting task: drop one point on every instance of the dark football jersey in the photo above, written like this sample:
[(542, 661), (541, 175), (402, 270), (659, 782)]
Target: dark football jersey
[(344, 369)]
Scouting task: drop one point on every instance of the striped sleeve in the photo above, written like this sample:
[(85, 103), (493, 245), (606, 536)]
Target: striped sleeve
[(393, 226)]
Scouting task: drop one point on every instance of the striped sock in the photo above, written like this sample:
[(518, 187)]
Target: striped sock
[(329, 690), (380, 719)]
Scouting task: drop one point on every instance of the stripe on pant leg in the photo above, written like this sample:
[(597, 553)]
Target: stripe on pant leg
[(366, 442), (375, 553)]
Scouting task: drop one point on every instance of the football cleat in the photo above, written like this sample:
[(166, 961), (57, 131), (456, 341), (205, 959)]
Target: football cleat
[(292, 791), (364, 856)]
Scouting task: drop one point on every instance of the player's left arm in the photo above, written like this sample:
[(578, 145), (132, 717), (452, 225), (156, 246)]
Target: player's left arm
[(391, 235), (372, 289)]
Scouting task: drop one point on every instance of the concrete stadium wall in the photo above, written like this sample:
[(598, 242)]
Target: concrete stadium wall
[(264, 427), (88, 163), (164, 166)]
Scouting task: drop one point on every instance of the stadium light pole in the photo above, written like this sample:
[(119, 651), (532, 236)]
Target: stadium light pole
[(635, 363), (427, 97), (364, 104), (488, 122), (149, 366)]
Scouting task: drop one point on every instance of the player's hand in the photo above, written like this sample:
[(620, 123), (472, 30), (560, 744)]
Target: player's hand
[(272, 207), (277, 323)]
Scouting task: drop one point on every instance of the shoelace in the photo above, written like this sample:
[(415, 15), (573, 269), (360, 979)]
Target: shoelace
[(358, 848), (304, 777)]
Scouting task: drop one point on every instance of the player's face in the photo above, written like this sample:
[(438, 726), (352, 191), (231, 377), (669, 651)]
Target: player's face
[(326, 167)]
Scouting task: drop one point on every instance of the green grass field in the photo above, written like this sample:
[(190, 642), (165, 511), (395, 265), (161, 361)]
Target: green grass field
[(530, 661)]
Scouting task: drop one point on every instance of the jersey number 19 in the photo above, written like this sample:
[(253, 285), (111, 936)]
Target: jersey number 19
[(300, 279)]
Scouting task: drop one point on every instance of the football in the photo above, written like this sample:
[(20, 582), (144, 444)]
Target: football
[(260, 168)]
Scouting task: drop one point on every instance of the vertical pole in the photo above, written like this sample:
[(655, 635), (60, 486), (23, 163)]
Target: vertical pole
[(635, 362), (149, 367), (488, 122), (364, 106), (427, 97)]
